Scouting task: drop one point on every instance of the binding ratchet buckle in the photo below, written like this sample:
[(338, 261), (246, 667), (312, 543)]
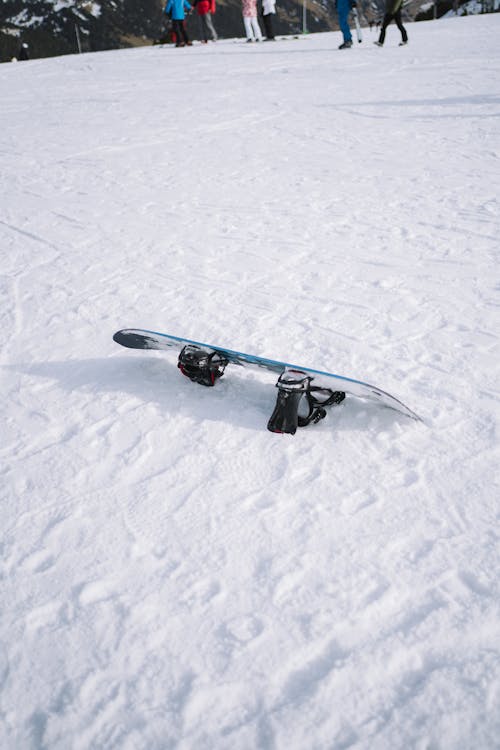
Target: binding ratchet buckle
[(294, 391)]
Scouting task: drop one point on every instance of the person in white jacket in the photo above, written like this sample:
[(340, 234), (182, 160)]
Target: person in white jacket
[(268, 11), (252, 28)]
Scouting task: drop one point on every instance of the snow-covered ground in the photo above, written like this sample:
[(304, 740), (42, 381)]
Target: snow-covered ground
[(173, 575)]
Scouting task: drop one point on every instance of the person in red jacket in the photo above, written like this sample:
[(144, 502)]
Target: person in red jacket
[(205, 10)]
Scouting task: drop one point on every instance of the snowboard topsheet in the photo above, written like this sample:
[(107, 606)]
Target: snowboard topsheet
[(141, 339)]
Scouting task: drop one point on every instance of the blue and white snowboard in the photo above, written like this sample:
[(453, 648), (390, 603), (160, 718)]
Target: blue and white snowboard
[(141, 339)]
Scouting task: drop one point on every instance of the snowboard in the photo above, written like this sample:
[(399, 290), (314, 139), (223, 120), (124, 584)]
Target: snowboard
[(355, 15), (142, 339)]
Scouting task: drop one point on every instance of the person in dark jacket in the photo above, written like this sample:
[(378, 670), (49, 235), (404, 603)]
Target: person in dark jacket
[(268, 11), (23, 52), (393, 13), (176, 10), (205, 10)]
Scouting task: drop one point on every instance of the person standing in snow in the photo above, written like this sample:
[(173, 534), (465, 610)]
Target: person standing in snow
[(252, 28), (268, 11), (205, 10), (23, 52), (343, 10), (393, 13), (176, 10)]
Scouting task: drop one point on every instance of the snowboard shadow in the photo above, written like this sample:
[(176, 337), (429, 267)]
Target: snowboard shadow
[(239, 398)]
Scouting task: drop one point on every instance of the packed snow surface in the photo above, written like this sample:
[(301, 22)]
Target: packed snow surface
[(174, 575)]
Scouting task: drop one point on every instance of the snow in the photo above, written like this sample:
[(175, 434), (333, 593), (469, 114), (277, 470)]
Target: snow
[(92, 8), (474, 6), (174, 575)]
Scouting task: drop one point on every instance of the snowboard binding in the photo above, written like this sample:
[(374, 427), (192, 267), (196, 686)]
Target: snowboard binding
[(294, 391), (201, 366)]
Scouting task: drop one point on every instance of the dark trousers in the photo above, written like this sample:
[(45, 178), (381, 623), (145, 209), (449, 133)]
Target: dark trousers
[(179, 31), (385, 23), (268, 25), (207, 27)]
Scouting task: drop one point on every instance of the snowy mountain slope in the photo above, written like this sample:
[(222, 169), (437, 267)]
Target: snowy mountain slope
[(56, 27), (173, 575), (50, 26)]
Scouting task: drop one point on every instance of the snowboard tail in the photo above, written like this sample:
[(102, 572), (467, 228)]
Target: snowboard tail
[(213, 359)]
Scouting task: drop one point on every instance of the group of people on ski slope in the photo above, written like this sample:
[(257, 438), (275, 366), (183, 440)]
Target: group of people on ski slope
[(177, 9), (251, 23), (392, 13)]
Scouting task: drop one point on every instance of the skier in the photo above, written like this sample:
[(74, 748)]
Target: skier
[(393, 13), (176, 10), (268, 11), (205, 10), (252, 28), (343, 10)]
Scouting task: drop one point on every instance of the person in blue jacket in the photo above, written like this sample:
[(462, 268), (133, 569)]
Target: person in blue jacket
[(343, 10), (176, 10)]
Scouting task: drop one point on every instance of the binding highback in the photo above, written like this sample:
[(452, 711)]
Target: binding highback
[(295, 387)]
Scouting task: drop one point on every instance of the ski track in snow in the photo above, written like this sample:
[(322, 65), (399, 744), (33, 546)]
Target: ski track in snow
[(173, 575)]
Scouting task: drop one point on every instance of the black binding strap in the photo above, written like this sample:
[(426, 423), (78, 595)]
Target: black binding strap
[(292, 386)]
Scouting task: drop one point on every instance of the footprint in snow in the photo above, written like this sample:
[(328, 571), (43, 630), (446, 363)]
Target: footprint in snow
[(242, 629)]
